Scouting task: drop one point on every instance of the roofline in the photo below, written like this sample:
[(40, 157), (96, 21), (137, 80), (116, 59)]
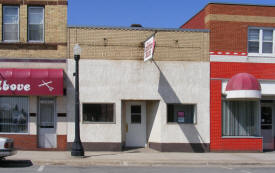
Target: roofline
[(242, 4), (140, 28), (194, 16), (226, 3)]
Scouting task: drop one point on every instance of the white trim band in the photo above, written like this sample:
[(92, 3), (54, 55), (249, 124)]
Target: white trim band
[(243, 94)]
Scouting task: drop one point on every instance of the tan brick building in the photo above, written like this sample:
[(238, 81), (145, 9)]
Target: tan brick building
[(33, 52)]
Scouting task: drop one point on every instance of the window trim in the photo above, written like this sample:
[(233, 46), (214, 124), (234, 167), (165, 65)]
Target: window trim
[(43, 39), (260, 54), (29, 118), (90, 122), (18, 33), (195, 119)]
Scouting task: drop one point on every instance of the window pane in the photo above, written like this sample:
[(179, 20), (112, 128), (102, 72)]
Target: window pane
[(267, 35), (240, 118), (253, 47), (36, 24), (10, 32), (136, 109), (10, 23), (36, 16), (180, 113), (98, 112), (36, 32), (11, 20), (14, 114), (136, 118), (46, 115), (36, 19), (267, 47), (253, 34)]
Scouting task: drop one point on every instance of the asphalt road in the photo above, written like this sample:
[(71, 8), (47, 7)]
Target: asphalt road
[(9, 168)]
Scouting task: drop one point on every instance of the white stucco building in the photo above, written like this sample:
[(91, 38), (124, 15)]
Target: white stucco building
[(126, 102)]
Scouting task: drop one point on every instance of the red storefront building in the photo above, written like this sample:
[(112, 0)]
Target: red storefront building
[(242, 75)]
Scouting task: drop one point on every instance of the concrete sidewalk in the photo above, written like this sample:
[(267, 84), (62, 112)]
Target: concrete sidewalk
[(144, 158)]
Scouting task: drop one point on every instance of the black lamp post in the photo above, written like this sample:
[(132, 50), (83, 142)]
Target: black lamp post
[(77, 148)]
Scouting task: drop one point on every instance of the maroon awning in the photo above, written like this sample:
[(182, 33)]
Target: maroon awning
[(38, 82), (243, 86)]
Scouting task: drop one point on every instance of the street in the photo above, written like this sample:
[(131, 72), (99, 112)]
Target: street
[(96, 169)]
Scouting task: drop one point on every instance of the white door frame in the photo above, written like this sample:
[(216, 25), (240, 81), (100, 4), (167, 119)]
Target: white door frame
[(136, 134), (44, 134)]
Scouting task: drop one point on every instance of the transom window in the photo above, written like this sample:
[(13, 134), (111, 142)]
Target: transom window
[(10, 23), (261, 41), (36, 24)]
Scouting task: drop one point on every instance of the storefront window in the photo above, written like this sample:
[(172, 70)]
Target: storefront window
[(240, 118), (14, 114), (181, 113), (98, 112)]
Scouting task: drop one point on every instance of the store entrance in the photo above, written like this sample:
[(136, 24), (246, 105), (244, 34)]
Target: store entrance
[(267, 118), (46, 123)]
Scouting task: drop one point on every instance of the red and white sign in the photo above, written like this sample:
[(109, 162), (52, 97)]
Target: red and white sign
[(38, 82), (149, 46)]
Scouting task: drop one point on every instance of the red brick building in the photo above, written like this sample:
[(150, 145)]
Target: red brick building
[(242, 38)]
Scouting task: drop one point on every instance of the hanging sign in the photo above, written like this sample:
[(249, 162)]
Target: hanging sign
[(149, 46)]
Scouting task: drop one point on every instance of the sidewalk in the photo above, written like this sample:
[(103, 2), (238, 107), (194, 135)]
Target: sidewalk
[(145, 158)]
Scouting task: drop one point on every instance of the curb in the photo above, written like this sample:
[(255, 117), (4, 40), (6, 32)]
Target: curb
[(148, 163)]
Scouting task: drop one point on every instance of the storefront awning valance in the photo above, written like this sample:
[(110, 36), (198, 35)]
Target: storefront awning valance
[(243, 86), (38, 82)]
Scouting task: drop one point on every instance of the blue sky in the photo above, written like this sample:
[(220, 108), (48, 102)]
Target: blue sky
[(149, 13)]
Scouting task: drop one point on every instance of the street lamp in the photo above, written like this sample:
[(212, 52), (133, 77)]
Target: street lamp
[(77, 148)]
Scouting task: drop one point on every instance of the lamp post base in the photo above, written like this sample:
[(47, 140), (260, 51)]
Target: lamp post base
[(77, 149)]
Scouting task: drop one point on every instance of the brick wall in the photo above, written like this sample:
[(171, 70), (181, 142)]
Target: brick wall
[(127, 44), (30, 142), (228, 69), (196, 22), (55, 24), (229, 24)]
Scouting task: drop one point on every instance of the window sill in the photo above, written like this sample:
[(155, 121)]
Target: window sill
[(241, 137), (98, 123), (261, 55), (29, 46), (176, 123), (13, 133)]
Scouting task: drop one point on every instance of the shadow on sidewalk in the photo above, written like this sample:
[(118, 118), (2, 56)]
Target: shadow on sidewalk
[(15, 163)]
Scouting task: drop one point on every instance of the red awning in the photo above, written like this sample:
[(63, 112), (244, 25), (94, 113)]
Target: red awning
[(38, 82), (243, 86)]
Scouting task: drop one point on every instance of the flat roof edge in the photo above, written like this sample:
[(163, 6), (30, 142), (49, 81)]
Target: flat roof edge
[(243, 4), (141, 28)]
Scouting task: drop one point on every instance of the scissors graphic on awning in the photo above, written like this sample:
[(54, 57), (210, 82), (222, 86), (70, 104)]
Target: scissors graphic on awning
[(46, 84)]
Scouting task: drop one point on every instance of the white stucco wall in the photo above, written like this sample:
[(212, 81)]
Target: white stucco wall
[(168, 81)]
